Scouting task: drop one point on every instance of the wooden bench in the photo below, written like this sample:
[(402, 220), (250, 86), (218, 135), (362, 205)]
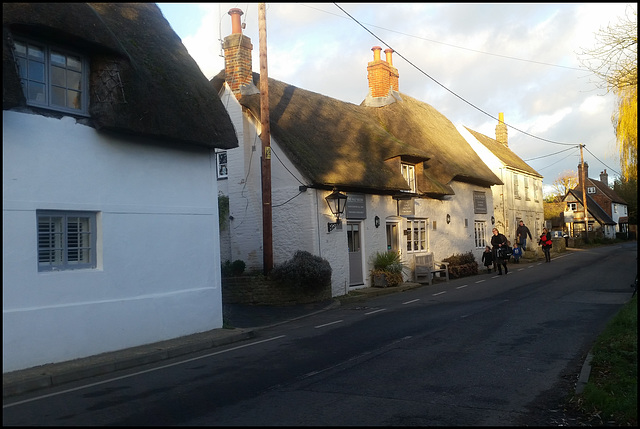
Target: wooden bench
[(426, 268)]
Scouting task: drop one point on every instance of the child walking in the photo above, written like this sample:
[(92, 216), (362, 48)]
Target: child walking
[(516, 252), (487, 258)]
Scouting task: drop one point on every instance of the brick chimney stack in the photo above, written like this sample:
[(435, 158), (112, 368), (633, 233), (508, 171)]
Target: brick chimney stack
[(501, 131), (604, 177), (383, 77), (586, 173), (237, 53)]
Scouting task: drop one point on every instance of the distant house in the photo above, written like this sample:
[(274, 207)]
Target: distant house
[(413, 184), (520, 195), (610, 212), (110, 214)]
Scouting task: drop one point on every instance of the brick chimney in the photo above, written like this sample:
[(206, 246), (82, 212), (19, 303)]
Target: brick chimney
[(586, 173), (383, 79), (604, 177), (501, 131), (237, 57)]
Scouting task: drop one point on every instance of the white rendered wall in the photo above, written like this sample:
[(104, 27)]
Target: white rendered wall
[(158, 263)]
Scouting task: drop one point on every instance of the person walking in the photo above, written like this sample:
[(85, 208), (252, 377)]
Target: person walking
[(517, 253), (500, 247), (487, 258), (522, 233), (546, 243)]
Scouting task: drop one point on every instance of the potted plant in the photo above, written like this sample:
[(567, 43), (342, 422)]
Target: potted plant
[(387, 269)]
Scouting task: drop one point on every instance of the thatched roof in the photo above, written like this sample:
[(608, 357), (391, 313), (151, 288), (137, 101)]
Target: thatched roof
[(504, 154), (164, 95), (335, 143)]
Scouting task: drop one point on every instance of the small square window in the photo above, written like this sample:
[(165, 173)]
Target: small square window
[(66, 240), (591, 189)]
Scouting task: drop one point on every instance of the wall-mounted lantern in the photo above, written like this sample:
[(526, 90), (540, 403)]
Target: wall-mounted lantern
[(376, 221), (337, 202), (493, 220), (448, 219)]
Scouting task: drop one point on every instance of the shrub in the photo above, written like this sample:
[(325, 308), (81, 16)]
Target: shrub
[(304, 270), (462, 265), (388, 262), (235, 268)]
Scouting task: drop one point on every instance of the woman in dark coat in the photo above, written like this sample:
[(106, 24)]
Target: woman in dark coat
[(545, 242), (499, 241)]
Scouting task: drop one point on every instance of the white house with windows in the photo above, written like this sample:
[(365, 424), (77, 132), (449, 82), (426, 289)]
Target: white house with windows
[(110, 215), (413, 184), (519, 197)]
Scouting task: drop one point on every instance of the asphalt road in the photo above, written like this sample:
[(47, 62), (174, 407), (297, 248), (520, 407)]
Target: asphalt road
[(480, 351)]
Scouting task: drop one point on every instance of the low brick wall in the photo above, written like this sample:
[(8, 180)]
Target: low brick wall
[(258, 290)]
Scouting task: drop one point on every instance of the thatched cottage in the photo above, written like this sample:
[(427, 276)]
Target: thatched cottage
[(414, 185), (110, 198)]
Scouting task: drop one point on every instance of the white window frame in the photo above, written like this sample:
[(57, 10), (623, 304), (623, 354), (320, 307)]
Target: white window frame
[(409, 174), (66, 240), (41, 76), (480, 233), (222, 166), (417, 235), (591, 189), (572, 206)]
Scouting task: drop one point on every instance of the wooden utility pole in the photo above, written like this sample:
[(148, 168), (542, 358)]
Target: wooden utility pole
[(265, 137), (584, 196)]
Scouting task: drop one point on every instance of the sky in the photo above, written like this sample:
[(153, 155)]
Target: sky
[(470, 61)]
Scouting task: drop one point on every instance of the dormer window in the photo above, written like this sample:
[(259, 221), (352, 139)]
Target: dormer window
[(409, 174), (52, 77), (591, 189)]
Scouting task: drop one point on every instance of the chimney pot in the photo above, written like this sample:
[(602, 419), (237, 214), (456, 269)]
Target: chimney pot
[(376, 53), (388, 52), (236, 27)]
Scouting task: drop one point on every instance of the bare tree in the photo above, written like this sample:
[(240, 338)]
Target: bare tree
[(565, 181), (614, 60)]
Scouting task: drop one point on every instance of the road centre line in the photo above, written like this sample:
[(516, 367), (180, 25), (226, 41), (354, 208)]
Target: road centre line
[(480, 281), (460, 287), (409, 302), (439, 293), (142, 372), (327, 324), (375, 311)]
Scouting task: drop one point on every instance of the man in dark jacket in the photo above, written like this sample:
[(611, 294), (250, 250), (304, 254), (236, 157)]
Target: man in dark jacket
[(522, 233)]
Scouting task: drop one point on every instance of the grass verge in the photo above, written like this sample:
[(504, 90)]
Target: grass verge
[(611, 394)]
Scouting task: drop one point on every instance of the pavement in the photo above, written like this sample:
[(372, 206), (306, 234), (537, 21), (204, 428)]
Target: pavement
[(241, 322)]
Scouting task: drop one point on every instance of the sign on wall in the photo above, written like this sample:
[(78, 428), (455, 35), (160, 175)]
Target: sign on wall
[(406, 208), (356, 207), (479, 202)]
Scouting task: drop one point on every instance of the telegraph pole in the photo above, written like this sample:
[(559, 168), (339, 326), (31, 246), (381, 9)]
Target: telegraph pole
[(265, 137), (584, 197)]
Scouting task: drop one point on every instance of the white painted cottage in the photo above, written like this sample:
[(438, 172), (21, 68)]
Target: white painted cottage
[(414, 185), (110, 214), (519, 197)]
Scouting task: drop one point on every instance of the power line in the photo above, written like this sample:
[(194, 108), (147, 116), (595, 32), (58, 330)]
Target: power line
[(451, 45), (450, 91)]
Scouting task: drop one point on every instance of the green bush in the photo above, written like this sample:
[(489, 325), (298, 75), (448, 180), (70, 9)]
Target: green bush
[(388, 261), (304, 270), (235, 268), (462, 265)]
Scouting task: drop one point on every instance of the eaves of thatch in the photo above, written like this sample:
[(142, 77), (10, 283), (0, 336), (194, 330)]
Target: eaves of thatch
[(163, 95), (335, 143), (504, 154)]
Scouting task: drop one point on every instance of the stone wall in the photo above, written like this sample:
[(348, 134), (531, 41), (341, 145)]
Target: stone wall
[(258, 290)]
